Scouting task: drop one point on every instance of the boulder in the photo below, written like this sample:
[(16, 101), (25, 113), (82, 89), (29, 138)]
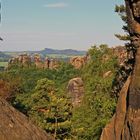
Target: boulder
[(76, 90), (78, 61), (107, 74)]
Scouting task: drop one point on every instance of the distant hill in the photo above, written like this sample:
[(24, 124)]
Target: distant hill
[(52, 53), (4, 57), (47, 51)]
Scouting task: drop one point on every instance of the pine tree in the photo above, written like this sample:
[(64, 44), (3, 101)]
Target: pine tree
[(121, 10), (50, 109), (125, 69)]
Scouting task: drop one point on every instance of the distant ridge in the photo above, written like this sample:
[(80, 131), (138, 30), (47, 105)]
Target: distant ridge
[(4, 56), (63, 52), (49, 52)]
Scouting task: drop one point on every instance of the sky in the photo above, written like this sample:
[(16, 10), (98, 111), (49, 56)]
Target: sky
[(58, 24)]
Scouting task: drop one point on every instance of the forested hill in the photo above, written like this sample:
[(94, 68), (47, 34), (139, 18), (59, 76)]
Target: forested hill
[(49, 51), (64, 52)]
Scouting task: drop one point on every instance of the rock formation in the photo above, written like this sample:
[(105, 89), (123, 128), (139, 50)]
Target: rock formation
[(38, 62), (107, 74), (76, 90), (53, 64), (15, 126), (121, 53), (25, 60), (114, 129), (125, 124), (78, 61), (47, 63)]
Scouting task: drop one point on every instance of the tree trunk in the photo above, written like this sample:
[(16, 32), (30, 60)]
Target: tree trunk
[(15, 126), (133, 14)]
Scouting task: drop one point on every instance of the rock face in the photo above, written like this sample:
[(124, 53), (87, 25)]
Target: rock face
[(114, 129), (15, 126), (125, 124), (25, 60), (47, 63), (76, 90), (121, 53), (78, 61), (53, 64), (38, 62)]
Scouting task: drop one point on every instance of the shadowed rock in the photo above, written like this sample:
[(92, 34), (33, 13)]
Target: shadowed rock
[(125, 124), (114, 129), (15, 126)]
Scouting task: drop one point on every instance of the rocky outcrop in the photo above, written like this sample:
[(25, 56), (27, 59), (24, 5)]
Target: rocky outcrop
[(25, 60), (46, 64), (53, 64), (38, 62), (125, 124), (76, 90), (78, 61), (113, 131), (15, 126)]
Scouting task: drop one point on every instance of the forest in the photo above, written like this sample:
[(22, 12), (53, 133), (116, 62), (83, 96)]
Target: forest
[(42, 95), (90, 97)]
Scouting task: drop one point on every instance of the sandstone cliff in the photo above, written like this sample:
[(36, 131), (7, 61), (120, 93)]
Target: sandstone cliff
[(25, 60), (125, 125)]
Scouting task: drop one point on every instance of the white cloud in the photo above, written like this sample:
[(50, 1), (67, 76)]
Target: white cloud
[(56, 5)]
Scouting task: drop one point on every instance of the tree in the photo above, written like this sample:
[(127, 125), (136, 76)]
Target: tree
[(50, 109), (126, 69), (121, 10), (97, 106)]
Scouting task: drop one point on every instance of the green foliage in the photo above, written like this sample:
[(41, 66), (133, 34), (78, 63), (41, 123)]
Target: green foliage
[(42, 90), (30, 76), (121, 10), (98, 106), (49, 109), (41, 94)]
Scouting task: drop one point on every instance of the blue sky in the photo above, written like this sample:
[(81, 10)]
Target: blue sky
[(58, 24)]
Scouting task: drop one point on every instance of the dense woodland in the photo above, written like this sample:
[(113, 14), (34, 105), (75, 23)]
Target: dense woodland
[(42, 95)]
